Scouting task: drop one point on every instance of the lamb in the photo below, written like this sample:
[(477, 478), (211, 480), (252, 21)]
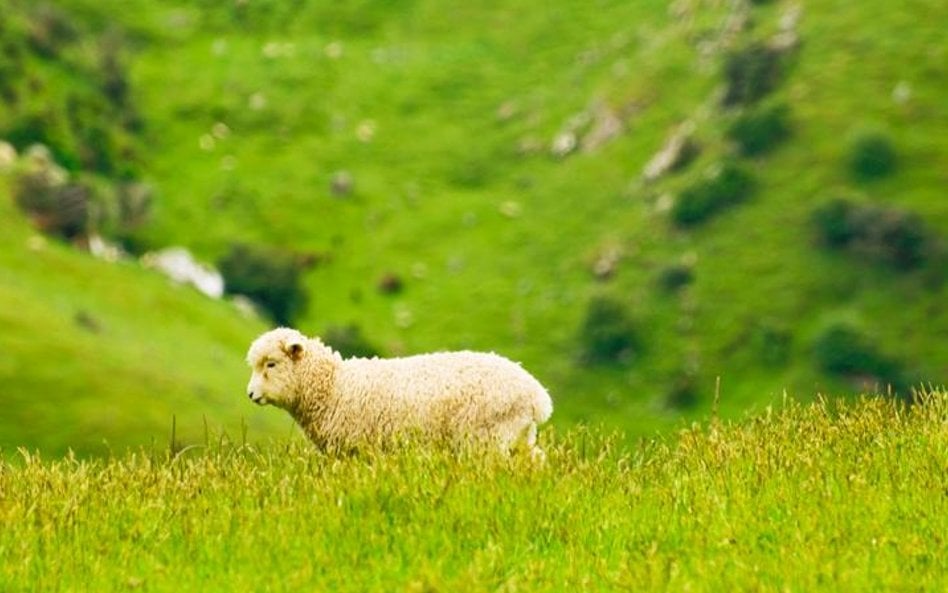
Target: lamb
[(455, 398)]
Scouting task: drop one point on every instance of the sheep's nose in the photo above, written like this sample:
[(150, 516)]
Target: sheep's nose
[(250, 394)]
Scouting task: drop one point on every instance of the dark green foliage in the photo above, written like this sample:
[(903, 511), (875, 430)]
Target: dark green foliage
[(683, 393), (772, 344), (833, 222), (270, 277), (608, 335), (72, 97), (751, 73), (50, 30), (760, 131), (349, 341), (675, 277), (841, 349), (56, 208), (112, 71), (871, 156), (133, 205), (888, 235), (729, 186), (690, 151)]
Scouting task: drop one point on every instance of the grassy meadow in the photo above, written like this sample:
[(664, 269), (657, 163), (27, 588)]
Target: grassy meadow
[(825, 496)]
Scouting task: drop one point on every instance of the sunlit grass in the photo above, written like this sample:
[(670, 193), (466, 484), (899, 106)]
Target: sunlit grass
[(822, 496)]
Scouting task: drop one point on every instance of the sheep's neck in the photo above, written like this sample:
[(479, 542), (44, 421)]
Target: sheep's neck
[(315, 390)]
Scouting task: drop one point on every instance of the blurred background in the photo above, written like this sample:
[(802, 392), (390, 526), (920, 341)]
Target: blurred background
[(633, 199)]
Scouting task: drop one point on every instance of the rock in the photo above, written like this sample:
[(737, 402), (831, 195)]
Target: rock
[(606, 125), (178, 264), (901, 94), (341, 184), (511, 209), (104, 250), (7, 156), (679, 150), (606, 262), (365, 131), (563, 144)]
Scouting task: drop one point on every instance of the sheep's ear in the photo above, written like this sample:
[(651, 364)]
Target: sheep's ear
[(294, 349)]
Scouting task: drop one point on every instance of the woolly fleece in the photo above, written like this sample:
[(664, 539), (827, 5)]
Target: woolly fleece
[(453, 397)]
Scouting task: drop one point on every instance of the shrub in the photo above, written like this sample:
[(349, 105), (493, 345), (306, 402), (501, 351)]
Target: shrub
[(759, 132), (61, 209), (833, 223), (270, 277), (50, 30), (751, 73), (871, 156), (112, 72), (607, 335), (349, 341), (772, 344), (683, 392), (729, 186), (889, 235), (675, 277), (841, 349), (133, 205), (390, 283)]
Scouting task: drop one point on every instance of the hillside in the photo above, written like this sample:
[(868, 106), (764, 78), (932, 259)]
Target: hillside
[(94, 358), (490, 159)]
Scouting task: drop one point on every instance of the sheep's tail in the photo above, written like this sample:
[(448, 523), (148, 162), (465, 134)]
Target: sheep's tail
[(542, 406)]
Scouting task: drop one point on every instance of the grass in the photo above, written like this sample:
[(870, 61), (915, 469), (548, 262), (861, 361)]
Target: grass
[(845, 496)]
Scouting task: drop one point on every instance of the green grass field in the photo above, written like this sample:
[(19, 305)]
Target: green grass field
[(802, 497)]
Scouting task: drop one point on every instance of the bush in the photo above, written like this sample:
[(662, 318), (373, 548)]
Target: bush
[(675, 277), (729, 186), (889, 235), (270, 277), (61, 209), (841, 349), (112, 71), (349, 341), (132, 208), (683, 392), (759, 132), (607, 335), (772, 344), (833, 223), (751, 73), (50, 30), (871, 157)]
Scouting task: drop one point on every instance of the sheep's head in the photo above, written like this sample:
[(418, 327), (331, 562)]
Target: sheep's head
[(273, 358)]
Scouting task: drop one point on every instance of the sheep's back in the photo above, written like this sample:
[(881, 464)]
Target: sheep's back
[(441, 388)]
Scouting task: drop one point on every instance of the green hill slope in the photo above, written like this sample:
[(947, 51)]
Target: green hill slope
[(495, 155), (100, 356)]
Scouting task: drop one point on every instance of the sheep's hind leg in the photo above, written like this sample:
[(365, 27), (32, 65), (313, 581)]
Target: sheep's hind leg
[(518, 436)]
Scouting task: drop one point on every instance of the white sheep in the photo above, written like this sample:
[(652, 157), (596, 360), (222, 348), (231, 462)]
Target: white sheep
[(456, 398)]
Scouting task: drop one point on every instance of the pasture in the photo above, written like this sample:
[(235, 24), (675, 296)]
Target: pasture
[(823, 496)]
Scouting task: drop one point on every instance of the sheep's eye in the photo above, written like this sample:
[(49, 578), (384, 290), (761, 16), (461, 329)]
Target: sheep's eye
[(271, 364)]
